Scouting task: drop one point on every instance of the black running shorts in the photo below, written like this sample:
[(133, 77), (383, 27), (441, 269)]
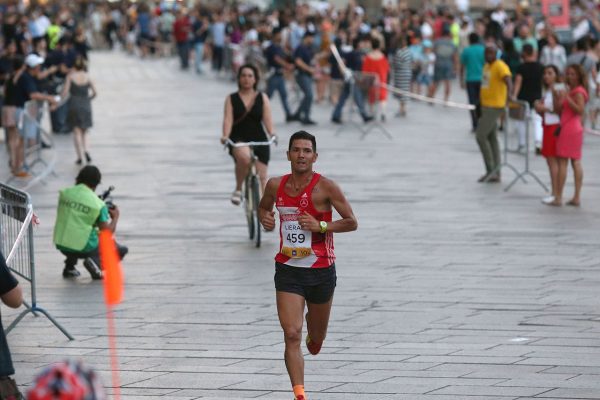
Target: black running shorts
[(316, 285)]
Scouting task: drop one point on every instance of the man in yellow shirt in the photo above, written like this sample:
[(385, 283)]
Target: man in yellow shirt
[(496, 85)]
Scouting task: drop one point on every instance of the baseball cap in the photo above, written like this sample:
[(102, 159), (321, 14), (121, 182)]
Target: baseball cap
[(33, 60)]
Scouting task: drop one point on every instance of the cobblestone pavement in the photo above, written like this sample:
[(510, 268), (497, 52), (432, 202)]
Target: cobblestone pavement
[(450, 289)]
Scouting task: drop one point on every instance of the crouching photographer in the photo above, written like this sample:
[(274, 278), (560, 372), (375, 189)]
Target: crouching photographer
[(80, 215)]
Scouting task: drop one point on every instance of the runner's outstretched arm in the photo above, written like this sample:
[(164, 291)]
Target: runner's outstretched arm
[(348, 223), (337, 199)]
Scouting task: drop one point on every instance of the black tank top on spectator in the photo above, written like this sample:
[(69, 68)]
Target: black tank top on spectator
[(247, 124), (10, 93), (531, 86)]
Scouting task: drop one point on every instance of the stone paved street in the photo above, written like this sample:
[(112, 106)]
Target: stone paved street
[(449, 289)]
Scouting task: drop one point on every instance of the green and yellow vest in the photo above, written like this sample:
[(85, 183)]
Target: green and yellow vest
[(77, 213)]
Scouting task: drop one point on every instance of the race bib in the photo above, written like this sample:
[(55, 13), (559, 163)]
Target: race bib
[(296, 242)]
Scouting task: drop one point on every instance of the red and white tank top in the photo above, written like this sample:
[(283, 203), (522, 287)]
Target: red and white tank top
[(298, 247)]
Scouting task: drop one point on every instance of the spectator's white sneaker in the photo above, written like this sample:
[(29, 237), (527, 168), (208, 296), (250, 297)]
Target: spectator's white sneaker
[(548, 199)]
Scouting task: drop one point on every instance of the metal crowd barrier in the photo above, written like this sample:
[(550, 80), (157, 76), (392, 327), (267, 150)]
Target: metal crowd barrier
[(366, 82), (16, 242), (519, 111), (40, 158)]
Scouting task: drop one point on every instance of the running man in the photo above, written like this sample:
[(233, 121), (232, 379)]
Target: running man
[(305, 264)]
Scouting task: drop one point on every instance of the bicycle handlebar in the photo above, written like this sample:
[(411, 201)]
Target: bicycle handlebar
[(271, 141)]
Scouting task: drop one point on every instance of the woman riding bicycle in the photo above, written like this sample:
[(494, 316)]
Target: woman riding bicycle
[(247, 119)]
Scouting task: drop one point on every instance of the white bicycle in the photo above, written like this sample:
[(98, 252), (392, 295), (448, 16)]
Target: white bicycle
[(252, 188)]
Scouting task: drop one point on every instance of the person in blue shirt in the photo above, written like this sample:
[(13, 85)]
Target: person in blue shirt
[(145, 39), (352, 58), (218, 34), (200, 33), (278, 64), (303, 57), (472, 60), (416, 52)]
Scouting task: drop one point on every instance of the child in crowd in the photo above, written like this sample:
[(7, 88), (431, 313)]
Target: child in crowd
[(416, 52), (425, 77)]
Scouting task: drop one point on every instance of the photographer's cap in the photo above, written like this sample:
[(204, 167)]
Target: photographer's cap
[(33, 60)]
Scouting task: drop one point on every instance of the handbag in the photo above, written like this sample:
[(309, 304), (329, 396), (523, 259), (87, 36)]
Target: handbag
[(9, 389)]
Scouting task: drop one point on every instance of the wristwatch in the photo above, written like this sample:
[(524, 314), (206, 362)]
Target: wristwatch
[(323, 226)]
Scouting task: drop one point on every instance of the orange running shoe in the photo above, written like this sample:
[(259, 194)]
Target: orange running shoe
[(313, 347), (22, 174)]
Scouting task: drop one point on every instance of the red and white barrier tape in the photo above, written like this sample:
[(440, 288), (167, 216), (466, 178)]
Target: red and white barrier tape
[(347, 72)]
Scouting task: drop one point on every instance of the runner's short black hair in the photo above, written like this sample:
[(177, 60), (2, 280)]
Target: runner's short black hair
[(89, 175), (303, 135)]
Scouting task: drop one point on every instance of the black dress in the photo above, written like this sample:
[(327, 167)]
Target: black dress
[(249, 127), (80, 106)]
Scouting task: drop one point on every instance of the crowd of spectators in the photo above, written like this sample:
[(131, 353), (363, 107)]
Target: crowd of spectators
[(399, 49), (38, 49), (429, 42), (402, 50)]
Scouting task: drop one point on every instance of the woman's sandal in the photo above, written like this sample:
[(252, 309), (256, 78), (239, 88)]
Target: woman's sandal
[(573, 203)]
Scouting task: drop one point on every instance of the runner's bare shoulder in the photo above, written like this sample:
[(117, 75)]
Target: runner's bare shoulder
[(273, 184), (326, 185)]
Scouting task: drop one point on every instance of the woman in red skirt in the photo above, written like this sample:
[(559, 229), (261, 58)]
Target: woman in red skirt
[(551, 121), (376, 63)]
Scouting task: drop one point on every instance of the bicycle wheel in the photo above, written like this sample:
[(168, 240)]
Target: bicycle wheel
[(248, 206), (255, 201)]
